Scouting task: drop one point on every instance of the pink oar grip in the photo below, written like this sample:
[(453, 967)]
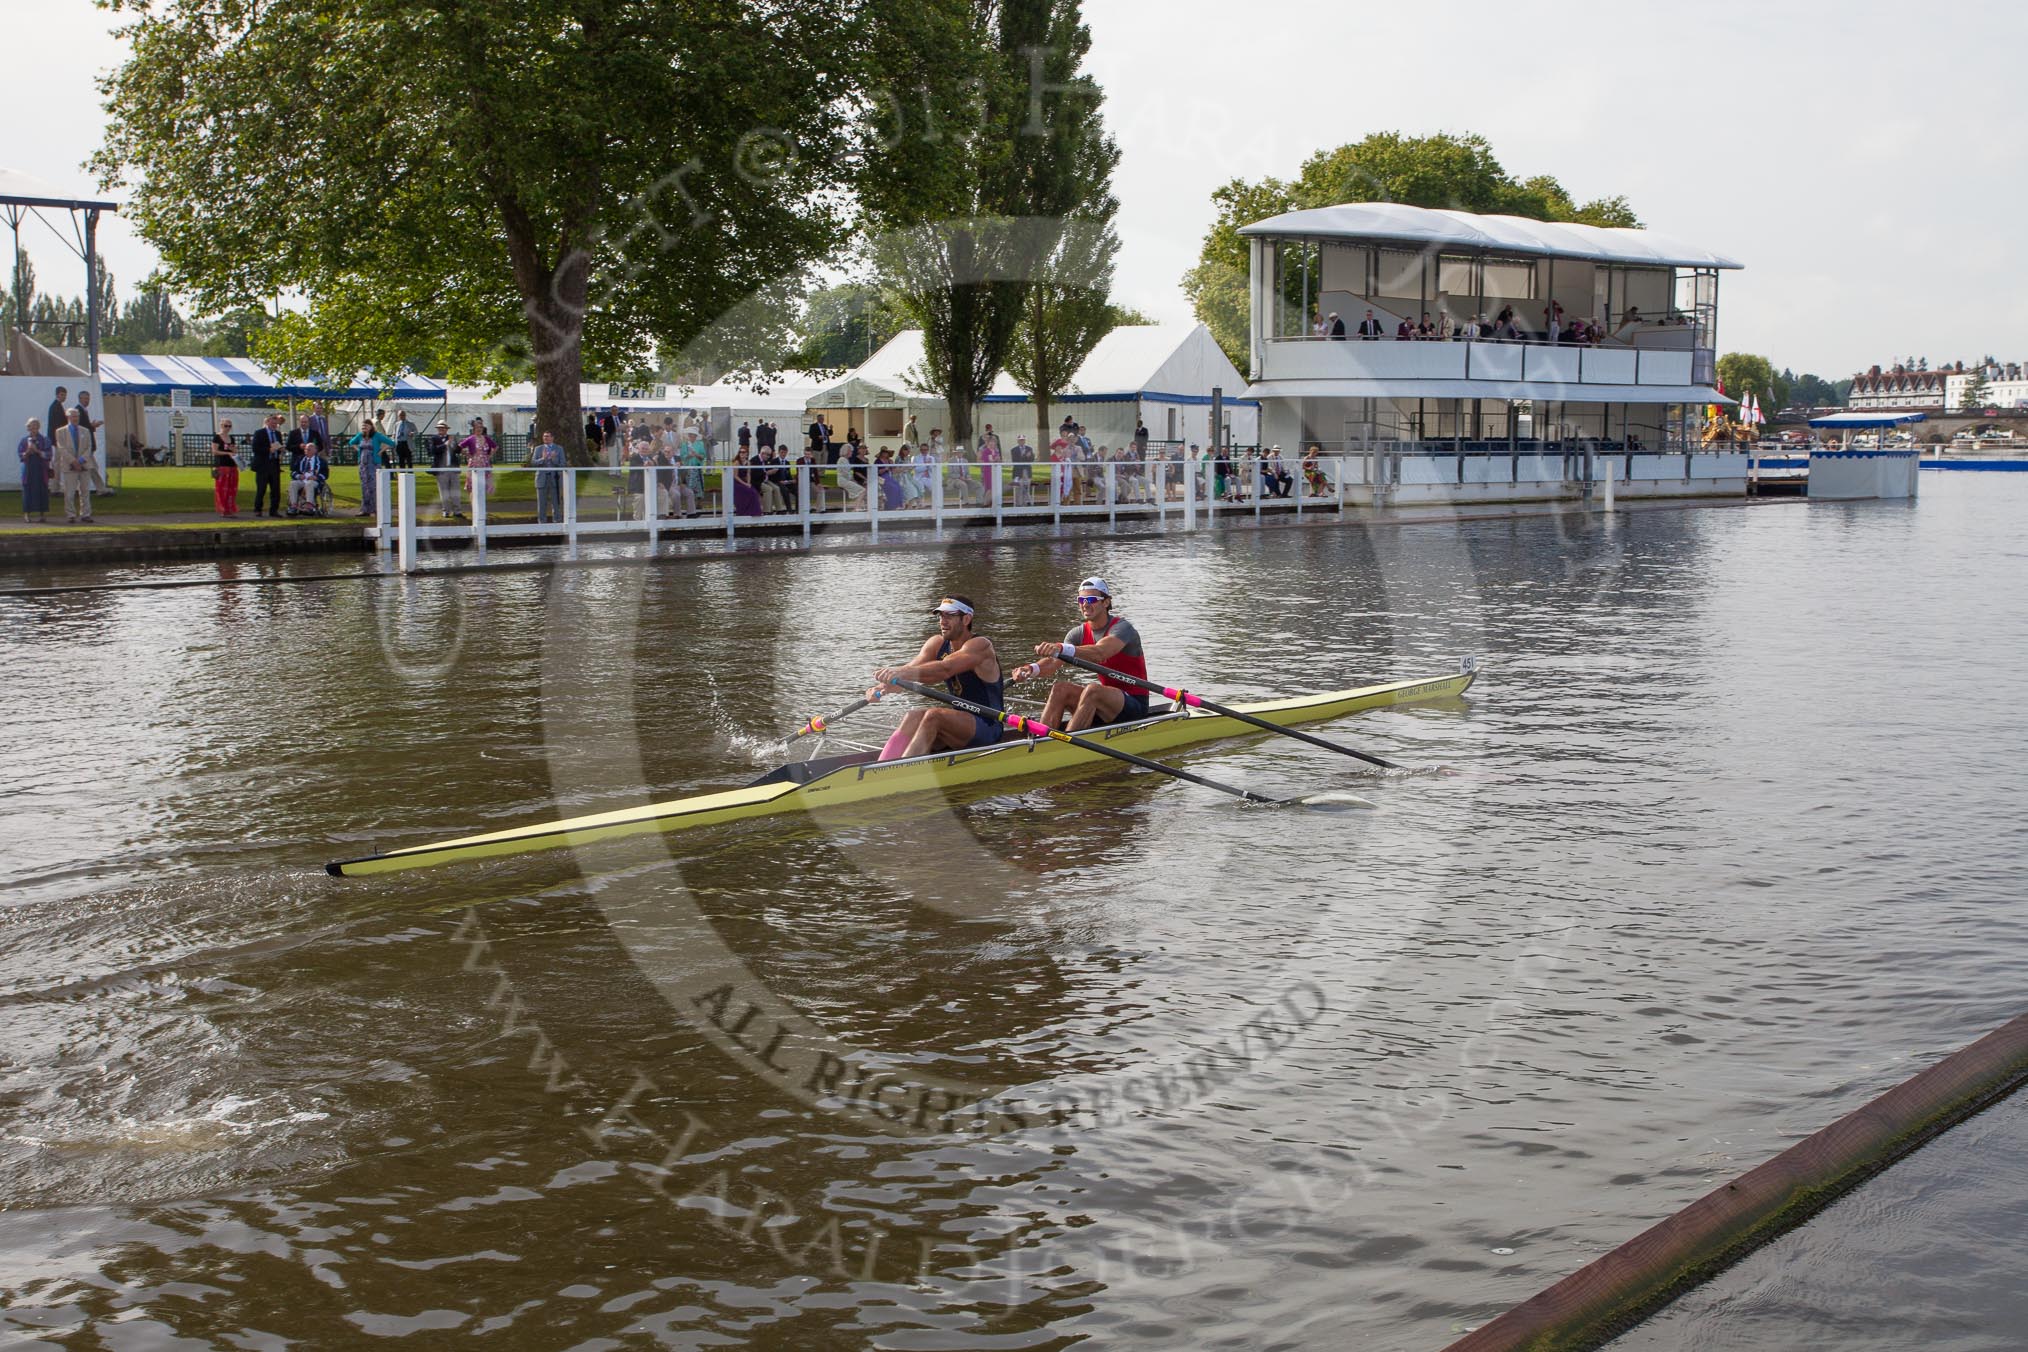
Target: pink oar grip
[(1184, 697)]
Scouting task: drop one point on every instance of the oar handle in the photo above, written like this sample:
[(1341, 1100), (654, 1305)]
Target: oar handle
[(1199, 702), (821, 724), (1034, 729)]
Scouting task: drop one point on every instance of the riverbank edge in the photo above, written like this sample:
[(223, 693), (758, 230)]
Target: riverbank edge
[(184, 543), (862, 542)]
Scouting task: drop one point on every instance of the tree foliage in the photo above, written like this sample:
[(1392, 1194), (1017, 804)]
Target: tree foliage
[(482, 189), (1811, 391), (969, 205), (1066, 311), (843, 325), (1442, 170), (1742, 373), (1973, 397)]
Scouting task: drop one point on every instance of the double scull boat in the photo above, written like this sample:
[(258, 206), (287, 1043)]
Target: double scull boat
[(831, 781)]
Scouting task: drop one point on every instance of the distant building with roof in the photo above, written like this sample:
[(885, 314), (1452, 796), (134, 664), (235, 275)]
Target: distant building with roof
[(1905, 387), (1912, 386)]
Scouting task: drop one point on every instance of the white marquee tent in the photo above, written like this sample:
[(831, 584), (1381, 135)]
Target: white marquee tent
[(1161, 373)]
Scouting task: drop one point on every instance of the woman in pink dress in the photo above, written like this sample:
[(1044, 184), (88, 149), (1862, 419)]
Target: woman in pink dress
[(479, 449), (989, 456)]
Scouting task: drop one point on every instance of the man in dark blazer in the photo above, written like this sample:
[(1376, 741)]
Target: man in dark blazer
[(267, 466), (305, 435)]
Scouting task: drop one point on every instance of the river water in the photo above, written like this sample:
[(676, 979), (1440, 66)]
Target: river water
[(1732, 843)]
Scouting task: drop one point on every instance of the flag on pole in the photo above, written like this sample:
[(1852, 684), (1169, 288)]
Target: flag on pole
[(1711, 410)]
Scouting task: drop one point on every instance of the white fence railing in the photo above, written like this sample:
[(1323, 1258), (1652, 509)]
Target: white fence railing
[(508, 502), (412, 506)]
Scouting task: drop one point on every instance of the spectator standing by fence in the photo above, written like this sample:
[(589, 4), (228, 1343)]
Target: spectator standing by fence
[(404, 439), (609, 433), (479, 449), (224, 471), (989, 460), (373, 447), (268, 451), (1022, 457), (91, 426), (444, 461), (74, 468), (694, 456), (33, 452), (547, 457)]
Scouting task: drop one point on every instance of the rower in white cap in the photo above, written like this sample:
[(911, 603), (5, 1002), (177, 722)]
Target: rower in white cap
[(1107, 639), (965, 663)]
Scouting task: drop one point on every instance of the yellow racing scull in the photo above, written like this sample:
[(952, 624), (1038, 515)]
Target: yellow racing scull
[(832, 781)]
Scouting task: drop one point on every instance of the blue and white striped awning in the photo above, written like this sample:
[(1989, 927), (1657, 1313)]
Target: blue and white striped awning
[(242, 378), (1865, 419)]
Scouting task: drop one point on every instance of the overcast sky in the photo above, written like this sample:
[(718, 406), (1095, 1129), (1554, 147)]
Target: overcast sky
[(1864, 161)]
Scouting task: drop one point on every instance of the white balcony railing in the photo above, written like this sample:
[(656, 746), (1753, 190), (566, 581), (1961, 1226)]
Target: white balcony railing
[(1389, 360)]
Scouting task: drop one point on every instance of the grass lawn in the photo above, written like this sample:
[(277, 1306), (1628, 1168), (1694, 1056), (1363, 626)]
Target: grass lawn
[(184, 490)]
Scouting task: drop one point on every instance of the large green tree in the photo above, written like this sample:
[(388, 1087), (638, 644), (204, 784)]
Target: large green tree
[(1745, 372), (1442, 170), (485, 190), (1066, 311), (1004, 146), (843, 325)]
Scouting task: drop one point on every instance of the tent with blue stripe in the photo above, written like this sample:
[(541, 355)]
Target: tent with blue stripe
[(241, 378)]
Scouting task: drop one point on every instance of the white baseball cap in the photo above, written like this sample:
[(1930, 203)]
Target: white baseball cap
[(1097, 584)]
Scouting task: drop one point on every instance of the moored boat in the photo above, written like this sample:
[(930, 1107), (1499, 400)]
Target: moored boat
[(829, 781)]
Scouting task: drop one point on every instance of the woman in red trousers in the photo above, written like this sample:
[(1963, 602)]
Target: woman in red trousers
[(224, 471)]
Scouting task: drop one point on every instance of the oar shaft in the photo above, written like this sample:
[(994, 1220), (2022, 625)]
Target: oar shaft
[(1199, 702), (1034, 729)]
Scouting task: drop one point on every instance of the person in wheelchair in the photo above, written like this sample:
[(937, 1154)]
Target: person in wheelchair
[(309, 483)]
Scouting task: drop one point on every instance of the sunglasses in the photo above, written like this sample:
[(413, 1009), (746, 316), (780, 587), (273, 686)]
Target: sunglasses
[(1090, 600)]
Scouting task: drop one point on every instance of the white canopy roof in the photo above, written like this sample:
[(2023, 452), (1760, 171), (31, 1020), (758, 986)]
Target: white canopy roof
[(1464, 230), (1151, 359), (883, 380), (1134, 359)]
